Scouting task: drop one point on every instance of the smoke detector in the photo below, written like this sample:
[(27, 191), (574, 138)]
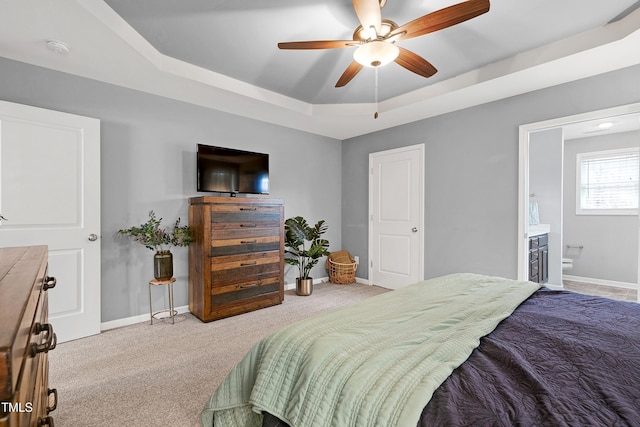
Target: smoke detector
[(58, 46)]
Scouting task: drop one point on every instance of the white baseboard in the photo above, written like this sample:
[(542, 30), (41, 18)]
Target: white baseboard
[(554, 287), (602, 282), (292, 286), (127, 321), (118, 323)]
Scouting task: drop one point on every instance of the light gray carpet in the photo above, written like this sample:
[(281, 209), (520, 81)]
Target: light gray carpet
[(162, 375)]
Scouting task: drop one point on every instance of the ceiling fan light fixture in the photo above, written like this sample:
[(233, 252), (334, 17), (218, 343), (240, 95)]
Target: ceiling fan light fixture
[(376, 53), (369, 33), (365, 34)]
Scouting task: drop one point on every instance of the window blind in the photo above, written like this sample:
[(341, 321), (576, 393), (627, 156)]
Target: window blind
[(609, 180)]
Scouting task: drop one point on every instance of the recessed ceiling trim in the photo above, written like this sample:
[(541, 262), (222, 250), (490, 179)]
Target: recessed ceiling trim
[(167, 64), (518, 74), (142, 67)]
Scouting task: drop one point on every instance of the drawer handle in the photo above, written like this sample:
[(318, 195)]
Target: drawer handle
[(248, 209), (248, 225), (49, 283), (51, 342), (51, 391), (246, 242), (245, 264), (252, 285), (47, 421)]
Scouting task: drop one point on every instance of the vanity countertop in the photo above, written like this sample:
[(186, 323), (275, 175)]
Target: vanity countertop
[(539, 229)]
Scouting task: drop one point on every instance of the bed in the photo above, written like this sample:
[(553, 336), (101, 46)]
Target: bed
[(459, 350)]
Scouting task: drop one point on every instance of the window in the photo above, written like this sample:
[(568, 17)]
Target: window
[(607, 182)]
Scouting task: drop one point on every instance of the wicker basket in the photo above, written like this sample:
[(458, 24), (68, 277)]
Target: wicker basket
[(342, 268)]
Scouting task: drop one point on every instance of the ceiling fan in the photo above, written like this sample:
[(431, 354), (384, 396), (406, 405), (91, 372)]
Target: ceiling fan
[(375, 38)]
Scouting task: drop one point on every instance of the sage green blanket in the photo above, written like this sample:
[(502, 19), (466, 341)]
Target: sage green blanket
[(374, 363)]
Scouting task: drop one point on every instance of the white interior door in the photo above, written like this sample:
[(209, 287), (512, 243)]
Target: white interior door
[(50, 195), (396, 219)]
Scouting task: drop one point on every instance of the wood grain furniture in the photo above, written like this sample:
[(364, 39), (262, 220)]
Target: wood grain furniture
[(172, 312), (25, 338), (236, 260)]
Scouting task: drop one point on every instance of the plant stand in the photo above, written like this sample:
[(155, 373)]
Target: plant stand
[(172, 312)]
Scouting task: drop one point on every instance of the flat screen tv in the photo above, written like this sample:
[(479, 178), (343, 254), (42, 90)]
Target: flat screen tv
[(225, 170)]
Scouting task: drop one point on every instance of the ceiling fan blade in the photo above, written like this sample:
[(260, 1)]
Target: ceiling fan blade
[(441, 19), (318, 44), (415, 63), (369, 14), (351, 71)]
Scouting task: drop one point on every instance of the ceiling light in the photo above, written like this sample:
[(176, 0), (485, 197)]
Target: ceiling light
[(605, 125), (365, 34), (58, 46), (376, 53), (369, 33)]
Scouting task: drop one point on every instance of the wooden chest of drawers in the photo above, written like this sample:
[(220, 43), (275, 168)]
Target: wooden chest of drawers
[(25, 338), (236, 260)]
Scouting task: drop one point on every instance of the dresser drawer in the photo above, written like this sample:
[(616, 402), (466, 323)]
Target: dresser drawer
[(258, 240), (245, 289), (232, 269), (32, 389), (233, 216), (243, 305), (244, 209), (248, 283)]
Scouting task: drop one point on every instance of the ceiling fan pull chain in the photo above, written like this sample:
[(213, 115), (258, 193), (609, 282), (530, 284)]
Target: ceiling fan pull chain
[(375, 116)]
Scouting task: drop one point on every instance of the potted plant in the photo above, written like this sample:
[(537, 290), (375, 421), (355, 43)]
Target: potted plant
[(159, 239), (305, 247)]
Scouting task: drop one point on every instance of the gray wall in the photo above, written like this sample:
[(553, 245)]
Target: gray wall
[(545, 181), (148, 162), (471, 176), (610, 241)]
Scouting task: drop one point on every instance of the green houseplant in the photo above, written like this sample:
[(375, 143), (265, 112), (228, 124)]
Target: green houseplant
[(159, 239), (304, 247)]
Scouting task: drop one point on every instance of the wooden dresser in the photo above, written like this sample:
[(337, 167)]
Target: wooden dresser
[(236, 260), (25, 338)]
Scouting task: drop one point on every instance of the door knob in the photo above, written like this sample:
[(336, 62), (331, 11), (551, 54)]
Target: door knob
[(414, 229), (93, 237)]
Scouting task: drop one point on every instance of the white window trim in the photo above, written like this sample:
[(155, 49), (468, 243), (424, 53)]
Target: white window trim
[(591, 154)]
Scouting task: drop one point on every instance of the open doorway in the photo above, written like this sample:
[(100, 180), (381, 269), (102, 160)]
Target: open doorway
[(595, 246)]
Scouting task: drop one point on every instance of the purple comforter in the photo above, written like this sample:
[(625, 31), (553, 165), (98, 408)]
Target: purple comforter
[(561, 359)]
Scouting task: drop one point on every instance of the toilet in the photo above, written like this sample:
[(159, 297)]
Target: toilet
[(567, 263)]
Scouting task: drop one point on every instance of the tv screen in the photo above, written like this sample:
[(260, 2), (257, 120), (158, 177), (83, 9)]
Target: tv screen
[(226, 170)]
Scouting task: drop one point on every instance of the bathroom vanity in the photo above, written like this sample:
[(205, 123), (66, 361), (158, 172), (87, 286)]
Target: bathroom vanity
[(539, 253)]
